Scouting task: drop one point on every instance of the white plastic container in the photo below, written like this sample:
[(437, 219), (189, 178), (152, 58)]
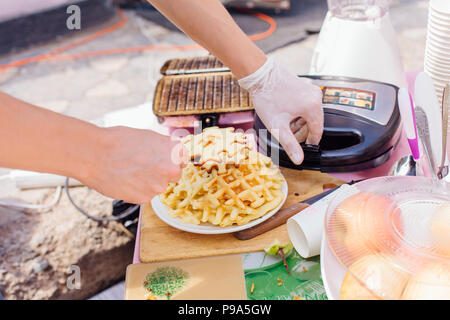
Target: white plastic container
[(359, 44), (389, 240)]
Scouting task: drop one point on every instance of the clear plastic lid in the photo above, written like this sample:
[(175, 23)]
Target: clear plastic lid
[(393, 235)]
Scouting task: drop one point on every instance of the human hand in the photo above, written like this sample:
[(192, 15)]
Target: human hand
[(134, 165), (290, 107)]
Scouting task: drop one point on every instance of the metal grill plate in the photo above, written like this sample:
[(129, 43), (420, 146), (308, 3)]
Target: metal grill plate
[(200, 93)]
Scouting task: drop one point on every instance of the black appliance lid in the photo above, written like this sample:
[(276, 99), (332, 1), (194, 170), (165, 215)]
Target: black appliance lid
[(355, 136)]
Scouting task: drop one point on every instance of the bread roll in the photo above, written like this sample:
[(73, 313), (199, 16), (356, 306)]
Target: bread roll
[(440, 229), (431, 283), (378, 274)]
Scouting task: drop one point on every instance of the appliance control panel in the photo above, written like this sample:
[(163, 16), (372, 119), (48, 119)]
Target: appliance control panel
[(374, 101), (349, 97)]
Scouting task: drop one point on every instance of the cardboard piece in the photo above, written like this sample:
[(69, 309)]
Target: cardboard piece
[(219, 278)]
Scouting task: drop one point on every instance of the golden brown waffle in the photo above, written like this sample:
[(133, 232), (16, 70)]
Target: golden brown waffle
[(217, 146), (201, 93), (234, 195), (193, 65), (161, 242)]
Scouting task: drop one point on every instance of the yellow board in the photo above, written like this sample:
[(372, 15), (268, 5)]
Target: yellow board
[(160, 242), (220, 278)]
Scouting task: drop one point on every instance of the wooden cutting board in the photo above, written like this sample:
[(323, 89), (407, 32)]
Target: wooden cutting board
[(161, 242)]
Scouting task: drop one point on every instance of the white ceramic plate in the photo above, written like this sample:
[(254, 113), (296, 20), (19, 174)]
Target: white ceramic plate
[(207, 228)]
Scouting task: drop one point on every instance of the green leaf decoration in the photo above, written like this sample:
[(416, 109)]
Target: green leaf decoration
[(166, 281), (272, 250)]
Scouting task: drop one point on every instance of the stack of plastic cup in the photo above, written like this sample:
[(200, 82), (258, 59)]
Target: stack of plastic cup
[(437, 52)]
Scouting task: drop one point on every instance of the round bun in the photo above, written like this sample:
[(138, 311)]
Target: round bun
[(363, 218), (431, 283), (352, 289), (377, 275), (440, 229)]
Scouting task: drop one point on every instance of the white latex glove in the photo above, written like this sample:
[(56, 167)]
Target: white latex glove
[(290, 107)]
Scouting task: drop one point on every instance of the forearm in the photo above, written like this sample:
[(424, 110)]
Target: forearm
[(208, 23), (36, 139)]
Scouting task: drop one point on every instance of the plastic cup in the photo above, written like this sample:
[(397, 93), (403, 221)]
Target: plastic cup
[(439, 52), (442, 63), (439, 34), (436, 58), (439, 24), (440, 41), (441, 6), (437, 15), (438, 19), (444, 74), (437, 45), (445, 30), (438, 66), (432, 25), (437, 62), (438, 84), (438, 81)]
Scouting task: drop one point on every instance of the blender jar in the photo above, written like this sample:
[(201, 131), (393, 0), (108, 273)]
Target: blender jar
[(358, 9), (357, 40)]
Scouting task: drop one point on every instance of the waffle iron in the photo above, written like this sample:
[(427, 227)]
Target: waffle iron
[(200, 90), (361, 128)]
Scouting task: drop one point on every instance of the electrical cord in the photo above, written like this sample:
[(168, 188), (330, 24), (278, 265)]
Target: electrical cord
[(123, 215), (34, 206), (119, 206)]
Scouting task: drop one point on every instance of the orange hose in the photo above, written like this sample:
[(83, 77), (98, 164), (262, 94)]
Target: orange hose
[(123, 50), (54, 54), (123, 20), (45, 56), (272, 24)]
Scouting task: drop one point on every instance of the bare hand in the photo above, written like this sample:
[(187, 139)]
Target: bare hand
[(134, 165)]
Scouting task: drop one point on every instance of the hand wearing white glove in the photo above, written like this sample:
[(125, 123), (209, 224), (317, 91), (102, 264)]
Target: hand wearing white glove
[(290, 107)]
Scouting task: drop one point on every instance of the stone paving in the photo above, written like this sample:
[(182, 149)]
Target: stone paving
[(88, 88)]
